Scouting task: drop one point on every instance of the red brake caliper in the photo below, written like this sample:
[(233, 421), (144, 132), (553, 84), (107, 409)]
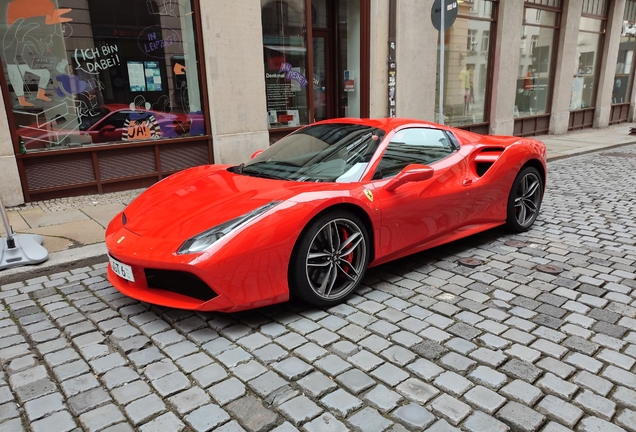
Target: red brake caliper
[(348, 258)]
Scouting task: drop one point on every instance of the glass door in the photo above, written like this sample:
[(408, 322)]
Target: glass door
[(349, 65), (323, 82), (316, 56)]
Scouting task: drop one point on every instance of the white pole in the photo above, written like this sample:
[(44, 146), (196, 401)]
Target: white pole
[(441, 60), (7, 227)]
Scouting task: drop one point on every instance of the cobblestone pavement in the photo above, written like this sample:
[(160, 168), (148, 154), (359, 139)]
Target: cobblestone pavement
[(60, 204), (426, 344)]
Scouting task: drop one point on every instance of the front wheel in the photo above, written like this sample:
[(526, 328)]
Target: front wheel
[(330, 259), (524, 201)]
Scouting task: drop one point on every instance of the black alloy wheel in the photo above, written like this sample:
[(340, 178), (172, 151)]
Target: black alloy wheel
[(330, 259), (524, 202)]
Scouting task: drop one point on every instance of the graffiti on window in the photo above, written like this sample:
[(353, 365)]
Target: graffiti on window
[(79, 79)]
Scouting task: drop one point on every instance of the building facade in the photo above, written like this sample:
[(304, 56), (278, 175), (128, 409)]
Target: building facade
[(102, 96)]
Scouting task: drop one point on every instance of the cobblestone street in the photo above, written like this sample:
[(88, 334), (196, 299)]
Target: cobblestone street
[(540, 337)]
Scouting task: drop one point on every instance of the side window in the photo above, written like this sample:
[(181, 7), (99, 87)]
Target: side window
[(413, 146), (116, 119)]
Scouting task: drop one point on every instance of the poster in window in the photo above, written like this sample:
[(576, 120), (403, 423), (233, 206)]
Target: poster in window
[(153, 76), (349, 81), (136, 76), (283, 117)]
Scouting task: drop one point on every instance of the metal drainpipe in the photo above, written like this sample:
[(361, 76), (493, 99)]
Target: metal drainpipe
[(392, 60)]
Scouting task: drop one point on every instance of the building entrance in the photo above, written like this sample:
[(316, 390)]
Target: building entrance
[(336, 58)]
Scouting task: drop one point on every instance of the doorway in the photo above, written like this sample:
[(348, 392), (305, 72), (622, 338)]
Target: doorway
[(317, 61), (336, 42)]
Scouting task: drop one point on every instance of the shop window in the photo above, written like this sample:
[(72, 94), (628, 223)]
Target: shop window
[(534, 82), (97, 72), (332, 45), (587, 61), (624, 75), (467, 64), (285, 51)]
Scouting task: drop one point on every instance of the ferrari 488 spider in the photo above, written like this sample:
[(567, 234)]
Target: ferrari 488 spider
[(308, 215)]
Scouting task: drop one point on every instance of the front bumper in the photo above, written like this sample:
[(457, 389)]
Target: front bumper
[(228, 280)]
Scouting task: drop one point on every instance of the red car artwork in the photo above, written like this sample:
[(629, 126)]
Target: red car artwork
[(108, 123), (307, 216)]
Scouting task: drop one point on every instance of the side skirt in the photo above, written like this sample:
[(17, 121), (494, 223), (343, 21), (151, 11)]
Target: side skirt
[(460, 233)]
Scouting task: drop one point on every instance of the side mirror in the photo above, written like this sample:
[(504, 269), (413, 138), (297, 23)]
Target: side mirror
[(412, 173), (256, 153), (107, 129)]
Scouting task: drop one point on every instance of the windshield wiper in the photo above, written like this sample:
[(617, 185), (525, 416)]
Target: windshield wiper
[(238, 169), (260, 174)]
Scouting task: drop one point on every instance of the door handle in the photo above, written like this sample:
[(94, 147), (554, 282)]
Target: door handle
[(467, 182)]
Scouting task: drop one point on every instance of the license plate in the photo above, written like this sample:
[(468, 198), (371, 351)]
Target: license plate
[(121, 269)]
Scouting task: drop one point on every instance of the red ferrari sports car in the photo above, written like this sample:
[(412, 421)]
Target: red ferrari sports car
[(308, 215)]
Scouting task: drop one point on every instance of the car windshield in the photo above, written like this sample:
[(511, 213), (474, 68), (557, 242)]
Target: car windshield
[(335, 152)]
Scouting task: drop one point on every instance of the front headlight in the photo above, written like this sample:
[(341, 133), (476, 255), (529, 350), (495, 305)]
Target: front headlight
[(204, 240)]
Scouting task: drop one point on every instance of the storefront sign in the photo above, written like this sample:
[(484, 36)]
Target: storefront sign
[(293, 75), (95, 60), (153, 39)]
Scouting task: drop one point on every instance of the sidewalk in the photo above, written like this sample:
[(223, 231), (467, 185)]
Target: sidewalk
[(73, 228)]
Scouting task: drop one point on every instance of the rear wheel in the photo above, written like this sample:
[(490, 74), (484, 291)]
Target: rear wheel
[(524, 201), (330, 259)]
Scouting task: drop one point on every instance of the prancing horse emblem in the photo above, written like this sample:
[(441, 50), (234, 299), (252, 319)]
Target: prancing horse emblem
[(369, 194)]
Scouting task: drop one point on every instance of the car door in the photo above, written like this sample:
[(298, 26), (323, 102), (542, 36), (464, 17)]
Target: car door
[(418, 212)]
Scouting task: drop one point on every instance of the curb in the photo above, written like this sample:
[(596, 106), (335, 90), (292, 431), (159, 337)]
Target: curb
[(57, 262), (609, 147)]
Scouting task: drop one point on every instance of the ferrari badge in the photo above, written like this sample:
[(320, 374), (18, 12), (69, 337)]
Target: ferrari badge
[(121, 239), (369, 194)]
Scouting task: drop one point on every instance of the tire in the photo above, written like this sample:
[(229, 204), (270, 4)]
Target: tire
[(325, 270), (524, 201)]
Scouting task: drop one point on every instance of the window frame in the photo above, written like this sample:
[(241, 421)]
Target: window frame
[(530, 49)]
